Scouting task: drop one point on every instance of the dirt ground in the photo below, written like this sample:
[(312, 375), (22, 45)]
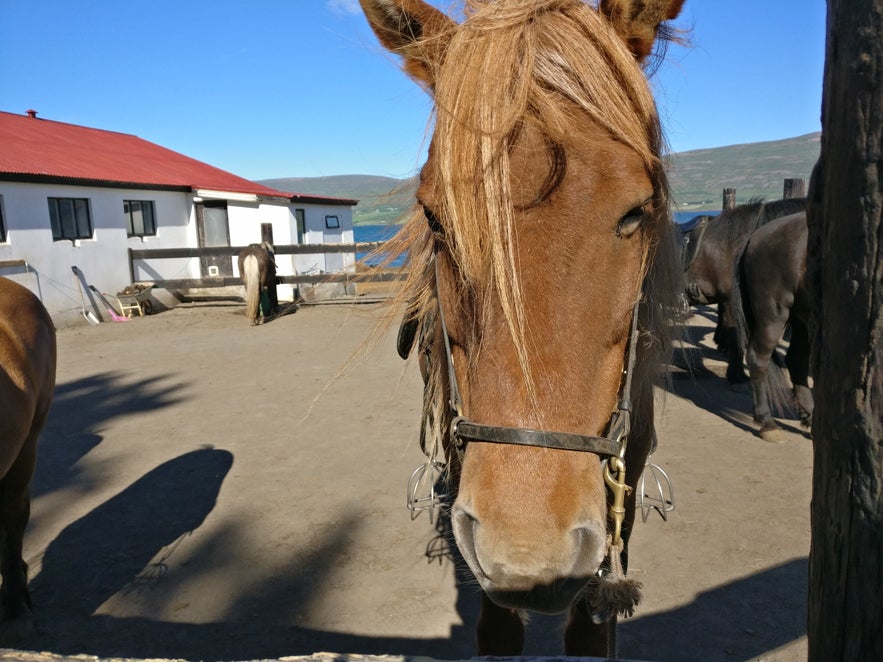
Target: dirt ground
[(208, 490)]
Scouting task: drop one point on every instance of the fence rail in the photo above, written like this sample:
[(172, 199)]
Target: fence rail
[(287, 249)]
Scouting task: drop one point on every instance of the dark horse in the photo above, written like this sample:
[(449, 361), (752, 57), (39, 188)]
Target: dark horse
[(27, 385), (769, 293), (543, 277), (257, 268), (710, 251)]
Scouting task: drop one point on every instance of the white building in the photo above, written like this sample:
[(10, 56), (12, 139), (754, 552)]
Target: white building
[(73, 196)]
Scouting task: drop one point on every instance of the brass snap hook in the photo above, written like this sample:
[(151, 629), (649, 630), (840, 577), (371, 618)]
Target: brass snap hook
[(614, 476)]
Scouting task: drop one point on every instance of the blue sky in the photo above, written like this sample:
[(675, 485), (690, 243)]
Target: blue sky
[(300, 88)]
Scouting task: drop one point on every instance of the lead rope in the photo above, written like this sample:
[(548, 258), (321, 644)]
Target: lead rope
[(614, 593)]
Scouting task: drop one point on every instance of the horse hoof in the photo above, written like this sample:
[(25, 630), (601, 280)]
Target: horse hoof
[(773, 435)]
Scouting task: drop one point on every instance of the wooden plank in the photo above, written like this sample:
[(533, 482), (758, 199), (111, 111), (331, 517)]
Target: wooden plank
[(308, 279), (219, 251)]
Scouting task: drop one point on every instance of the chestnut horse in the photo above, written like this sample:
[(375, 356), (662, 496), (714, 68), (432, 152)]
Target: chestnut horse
[(257, 268), (543, 281), (27, 385), (770, 294)]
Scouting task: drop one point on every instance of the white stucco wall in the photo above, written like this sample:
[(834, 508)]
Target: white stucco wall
[(103, 259), (245, 228), (316, 232)]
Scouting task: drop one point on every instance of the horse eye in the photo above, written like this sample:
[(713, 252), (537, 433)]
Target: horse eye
[(433, 221), (629, 223)]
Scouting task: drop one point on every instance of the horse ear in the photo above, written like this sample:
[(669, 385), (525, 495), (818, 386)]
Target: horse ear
[(638, 21), (410, 28)]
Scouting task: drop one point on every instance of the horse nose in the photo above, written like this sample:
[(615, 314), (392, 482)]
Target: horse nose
[(529, 568)]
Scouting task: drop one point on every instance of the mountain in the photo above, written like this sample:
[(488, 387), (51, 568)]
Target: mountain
[(756, 170), (382, 200), (697, 179)]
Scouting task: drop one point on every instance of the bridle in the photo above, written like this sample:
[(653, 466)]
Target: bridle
[(619, 594), (612, 445)]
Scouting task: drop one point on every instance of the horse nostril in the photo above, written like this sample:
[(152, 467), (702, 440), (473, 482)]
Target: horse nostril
[(464, 526), (590, 543)]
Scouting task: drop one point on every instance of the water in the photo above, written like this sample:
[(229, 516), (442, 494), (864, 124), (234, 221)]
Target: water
[(684, 216), (365, 233)]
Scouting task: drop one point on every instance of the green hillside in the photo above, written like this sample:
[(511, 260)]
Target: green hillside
[(756, 170), (382, 200), (697, 179)]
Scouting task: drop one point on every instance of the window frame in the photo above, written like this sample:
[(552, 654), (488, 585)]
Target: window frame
[(130, 225), (58, 224), (300, 222), (332, 221)]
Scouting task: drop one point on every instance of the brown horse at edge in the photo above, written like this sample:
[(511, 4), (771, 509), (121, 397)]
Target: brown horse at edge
[(27, 386)]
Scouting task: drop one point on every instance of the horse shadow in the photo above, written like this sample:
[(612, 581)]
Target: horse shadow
[(126, 545), (111, 549), (79, 411), (732, 621), (737, 621), (689, 378)]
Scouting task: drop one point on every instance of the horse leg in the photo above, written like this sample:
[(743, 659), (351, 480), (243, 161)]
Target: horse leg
[(500, 630), (582, 636), (761, 346), (735, 360), (271, 290), (797, 361), (15, 510), (720, 333)]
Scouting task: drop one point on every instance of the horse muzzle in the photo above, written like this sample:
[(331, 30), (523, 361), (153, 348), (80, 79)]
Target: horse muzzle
[(538, 571)]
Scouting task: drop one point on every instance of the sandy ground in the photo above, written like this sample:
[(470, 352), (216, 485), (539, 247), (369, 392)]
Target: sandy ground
[(208, 490)]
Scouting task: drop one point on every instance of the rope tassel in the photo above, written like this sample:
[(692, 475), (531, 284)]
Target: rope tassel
[(614, 593)]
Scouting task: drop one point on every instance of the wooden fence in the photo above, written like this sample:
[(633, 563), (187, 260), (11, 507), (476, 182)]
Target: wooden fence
[(288, 249), (792, 188)]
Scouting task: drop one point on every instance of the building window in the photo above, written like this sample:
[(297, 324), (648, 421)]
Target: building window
[(140, 218), (332, 222), (300, 218), (70, 218), (2, 223)]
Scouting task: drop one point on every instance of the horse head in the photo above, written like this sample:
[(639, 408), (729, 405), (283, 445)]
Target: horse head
[(543, 210)]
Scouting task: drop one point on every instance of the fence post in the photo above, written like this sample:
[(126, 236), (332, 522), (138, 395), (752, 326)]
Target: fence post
[(729, 199), (794, 188)]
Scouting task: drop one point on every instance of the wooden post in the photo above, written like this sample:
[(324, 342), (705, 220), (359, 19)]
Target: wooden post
[(844, 273), (794, 188), (729, 199)]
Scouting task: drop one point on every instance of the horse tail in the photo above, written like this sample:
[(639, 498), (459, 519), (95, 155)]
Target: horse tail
[(778, 388), (252, 280)]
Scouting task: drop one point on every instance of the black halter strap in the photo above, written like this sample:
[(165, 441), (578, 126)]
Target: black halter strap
[(613, 443)]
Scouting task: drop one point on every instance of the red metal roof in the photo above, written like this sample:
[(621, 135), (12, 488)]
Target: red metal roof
[(32, 147)]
